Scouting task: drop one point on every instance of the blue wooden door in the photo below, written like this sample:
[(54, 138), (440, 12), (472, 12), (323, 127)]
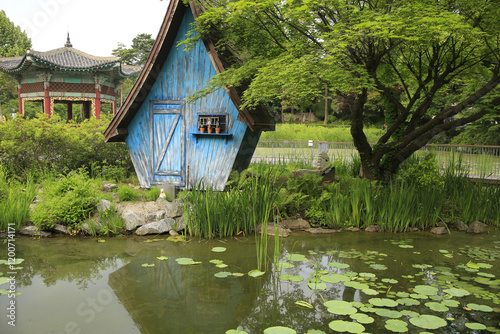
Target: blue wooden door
[(167, 144)]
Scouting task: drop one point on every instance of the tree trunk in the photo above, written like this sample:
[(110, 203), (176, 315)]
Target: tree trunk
[(326, 105)]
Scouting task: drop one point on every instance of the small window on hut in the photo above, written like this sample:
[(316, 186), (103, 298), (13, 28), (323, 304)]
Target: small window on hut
[(210, 123)]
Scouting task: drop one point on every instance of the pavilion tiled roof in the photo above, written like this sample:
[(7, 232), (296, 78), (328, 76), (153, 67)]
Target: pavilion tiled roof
[(65, 59)]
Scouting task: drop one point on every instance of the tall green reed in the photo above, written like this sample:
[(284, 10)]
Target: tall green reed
[(15, 200)]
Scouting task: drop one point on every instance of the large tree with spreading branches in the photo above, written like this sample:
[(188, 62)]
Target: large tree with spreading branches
[(435, 62)]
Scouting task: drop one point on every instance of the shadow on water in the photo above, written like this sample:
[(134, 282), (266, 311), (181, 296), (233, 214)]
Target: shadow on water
[(83, 286)]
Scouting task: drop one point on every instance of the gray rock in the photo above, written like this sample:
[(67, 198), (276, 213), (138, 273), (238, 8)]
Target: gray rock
[(104, 205), (296, 224), (108, 186), (132, 220), (461, 226), (97, 227), (60, 229), (179, 224), (33, 231), (271, 231), (173, 233), (159, 227), (320, 230), (439, 230), (372, 228), (477, 227), (174, 209), (353, 229), (155, 216)]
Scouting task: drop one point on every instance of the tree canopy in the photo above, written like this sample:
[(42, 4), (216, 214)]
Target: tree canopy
[(138, 53), (13, 42), (434, 63)]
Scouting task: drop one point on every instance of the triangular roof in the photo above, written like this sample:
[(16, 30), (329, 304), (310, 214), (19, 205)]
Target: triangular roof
[(257, 119), (65, 59)]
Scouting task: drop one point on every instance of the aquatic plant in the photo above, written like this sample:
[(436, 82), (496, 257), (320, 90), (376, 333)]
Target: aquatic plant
[(15, 200)]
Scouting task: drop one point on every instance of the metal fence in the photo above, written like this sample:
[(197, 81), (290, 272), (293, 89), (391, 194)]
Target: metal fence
[(478, 161)]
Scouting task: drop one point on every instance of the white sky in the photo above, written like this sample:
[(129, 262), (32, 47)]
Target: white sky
[(95, 26)]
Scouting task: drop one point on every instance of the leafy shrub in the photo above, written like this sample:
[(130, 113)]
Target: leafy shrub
[(42, 143), (68, 200), (107, 222), (126, 193), (423, 172)]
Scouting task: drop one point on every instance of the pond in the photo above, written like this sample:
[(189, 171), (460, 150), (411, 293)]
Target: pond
[(413, 282)]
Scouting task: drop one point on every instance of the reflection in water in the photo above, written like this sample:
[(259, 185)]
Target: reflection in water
[(72, 285)]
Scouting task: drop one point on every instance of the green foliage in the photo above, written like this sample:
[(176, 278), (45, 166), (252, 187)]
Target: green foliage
[(68, 200), (437, 76), (211, 214), (109, 222), (154, 192), (127, 193), (423, 171), (15, 199), (138, 53), (42, 144)]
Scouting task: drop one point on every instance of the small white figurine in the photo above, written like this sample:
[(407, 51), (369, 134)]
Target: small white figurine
[(162, 194)]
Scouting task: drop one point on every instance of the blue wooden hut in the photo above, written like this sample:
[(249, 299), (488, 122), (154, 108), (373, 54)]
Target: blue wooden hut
[(174, 142)]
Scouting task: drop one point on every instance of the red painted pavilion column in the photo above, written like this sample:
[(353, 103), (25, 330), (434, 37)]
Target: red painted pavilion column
[(98, 101), (46, 100), (70, 111), (21, 111)]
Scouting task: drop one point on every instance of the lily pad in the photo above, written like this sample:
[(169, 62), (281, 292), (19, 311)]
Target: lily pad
[(219, 249), (362, 318), (255, 273), (222, 274), (450, 302), (456, 292), (378, 266), (438, 307), (389, 280), (338, 265), (388, 313), (334, 278), (296, 257), (346, 326), (425, 290), (383, 302), (162, 258), (477, 307), (291, 278), (406, 246), (146, 265), (475, 325), (285, 265), (408, 301), (236, 331), (340, 307), (279, 330), (221, 265), (427, 321), (397, 326), (370, 292), (186, 261), (316, 285), (356, 285), (177, 238), (238, 274)]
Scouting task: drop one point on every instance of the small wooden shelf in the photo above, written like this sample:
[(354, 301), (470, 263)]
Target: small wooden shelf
[(225, 135)]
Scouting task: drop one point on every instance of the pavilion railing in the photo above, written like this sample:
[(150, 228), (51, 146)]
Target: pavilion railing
[(477, 161)]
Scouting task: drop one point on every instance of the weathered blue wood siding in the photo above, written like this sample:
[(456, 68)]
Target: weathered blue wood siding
[(205, 159)]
